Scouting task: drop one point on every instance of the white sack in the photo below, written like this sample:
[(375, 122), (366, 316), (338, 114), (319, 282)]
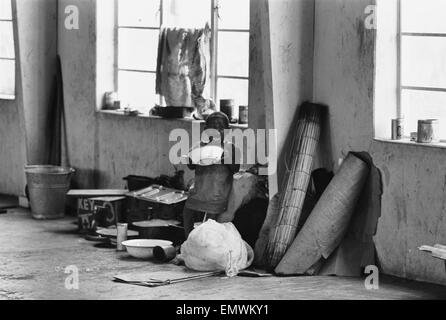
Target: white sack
[(214, 246)]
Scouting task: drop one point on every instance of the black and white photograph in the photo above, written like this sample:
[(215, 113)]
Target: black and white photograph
[(223, 155)]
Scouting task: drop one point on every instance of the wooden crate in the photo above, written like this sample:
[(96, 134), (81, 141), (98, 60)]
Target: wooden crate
[(100, 212)]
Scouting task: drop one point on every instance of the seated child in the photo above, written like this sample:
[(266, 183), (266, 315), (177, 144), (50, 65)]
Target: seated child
[(213, 183)]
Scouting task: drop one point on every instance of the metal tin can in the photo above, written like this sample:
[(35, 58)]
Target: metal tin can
[(428, 131), (243, 114), (121, 236), (110, 99), (227, 107), (397, 129)]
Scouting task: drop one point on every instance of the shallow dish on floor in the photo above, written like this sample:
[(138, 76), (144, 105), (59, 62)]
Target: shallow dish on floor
[(143, 248), (113, 232), (108, 236)]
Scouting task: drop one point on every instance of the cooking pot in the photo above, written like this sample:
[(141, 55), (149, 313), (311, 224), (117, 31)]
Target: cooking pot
[(160, 229)]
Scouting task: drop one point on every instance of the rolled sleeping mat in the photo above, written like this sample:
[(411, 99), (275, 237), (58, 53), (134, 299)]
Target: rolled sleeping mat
[(329, 220), (295, 184)]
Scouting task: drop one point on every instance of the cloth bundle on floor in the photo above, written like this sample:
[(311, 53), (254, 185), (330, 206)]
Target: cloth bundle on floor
[(296, 183), (183, 66), (329, 220), (214, 246)]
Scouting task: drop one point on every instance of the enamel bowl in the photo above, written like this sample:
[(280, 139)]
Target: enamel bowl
[(206, 155), (143, 248)]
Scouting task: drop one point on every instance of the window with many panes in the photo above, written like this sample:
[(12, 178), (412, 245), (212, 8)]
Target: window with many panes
[(138, 26), (422, 62), (7, 55)]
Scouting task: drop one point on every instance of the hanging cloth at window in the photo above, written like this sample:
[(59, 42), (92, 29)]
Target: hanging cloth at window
[(183, 66)]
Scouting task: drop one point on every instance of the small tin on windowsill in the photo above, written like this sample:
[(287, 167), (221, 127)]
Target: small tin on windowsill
[(397, 128), (428, 131), (111, 101), (227, 106), (243, 115)]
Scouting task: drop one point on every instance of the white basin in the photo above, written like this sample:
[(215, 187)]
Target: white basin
[(143, 248)]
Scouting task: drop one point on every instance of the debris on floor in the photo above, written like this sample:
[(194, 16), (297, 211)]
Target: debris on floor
[(437, 251), (165, 277)]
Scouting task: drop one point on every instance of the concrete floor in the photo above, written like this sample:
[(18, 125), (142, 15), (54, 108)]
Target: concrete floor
[(34, 254)]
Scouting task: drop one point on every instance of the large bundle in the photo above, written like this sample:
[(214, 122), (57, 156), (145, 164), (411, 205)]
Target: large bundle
[(295, 184), (214, 246), (329, 220)]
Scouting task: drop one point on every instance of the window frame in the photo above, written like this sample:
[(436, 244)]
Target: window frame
[(214, 53), (12, 21), (214, 46), (400, 36)]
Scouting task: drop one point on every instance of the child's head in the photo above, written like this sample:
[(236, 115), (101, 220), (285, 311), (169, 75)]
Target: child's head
[(218, 121)]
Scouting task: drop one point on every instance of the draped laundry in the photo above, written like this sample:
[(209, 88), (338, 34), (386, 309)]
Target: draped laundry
[(183, 66)]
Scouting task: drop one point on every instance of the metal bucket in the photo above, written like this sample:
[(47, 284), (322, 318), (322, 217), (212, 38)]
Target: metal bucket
[(48, 187)]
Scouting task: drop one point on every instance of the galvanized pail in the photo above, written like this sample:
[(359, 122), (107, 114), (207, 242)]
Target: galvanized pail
[(48, 186)]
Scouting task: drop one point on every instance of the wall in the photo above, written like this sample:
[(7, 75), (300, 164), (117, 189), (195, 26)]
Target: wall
[(12, 144), (260, 82), (281, 69), (385, 72), (414, 177), (23, 121), (12, 133), (78, 55), (291, 37)]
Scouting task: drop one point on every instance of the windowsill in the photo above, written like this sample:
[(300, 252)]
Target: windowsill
[(144, 115), (407, 141), (7, 97), (148, 116)]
